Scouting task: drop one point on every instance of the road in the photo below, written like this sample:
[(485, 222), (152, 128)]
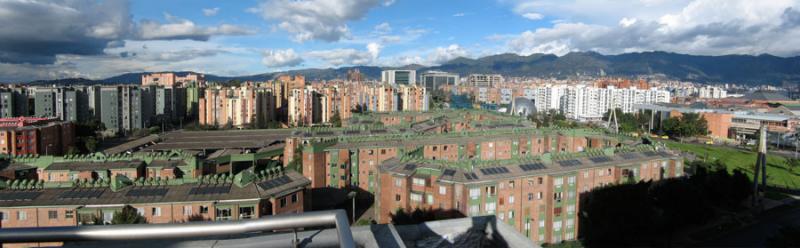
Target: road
[(756, 235)]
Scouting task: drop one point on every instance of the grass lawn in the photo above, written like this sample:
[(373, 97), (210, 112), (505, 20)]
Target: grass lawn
[(778, 173)]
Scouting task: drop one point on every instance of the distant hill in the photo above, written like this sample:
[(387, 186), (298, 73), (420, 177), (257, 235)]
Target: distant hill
[(754, 70)]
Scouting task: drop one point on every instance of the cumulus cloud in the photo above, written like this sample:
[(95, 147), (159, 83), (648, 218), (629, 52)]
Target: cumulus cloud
[(178, 28), (281, 58), (316, 19), (36, 31), (210, 12), (383, 28), (348, 56), (700, 27), (444, 54), (533, 16)]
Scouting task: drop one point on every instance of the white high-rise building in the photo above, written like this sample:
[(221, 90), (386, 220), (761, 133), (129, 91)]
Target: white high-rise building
[(712, 92), (395, 77), (586, 103)]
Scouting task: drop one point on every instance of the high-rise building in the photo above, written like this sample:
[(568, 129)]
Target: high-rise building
[(35, 135), (398, 77), (432, 80), (170, 79), (484, 80)]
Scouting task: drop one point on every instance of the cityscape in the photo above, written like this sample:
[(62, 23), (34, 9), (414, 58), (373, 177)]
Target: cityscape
[(381, 123)]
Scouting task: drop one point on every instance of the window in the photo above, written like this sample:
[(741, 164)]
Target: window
[(571, 195), (397, 197), (571, 209), (570, 223), (434, 148), (3, 216), (22, 215), (474, 210), (442, 190), (540, 181), (474, 193), (511, 199), (541, 224), (539, 196), (69, 214), (187, 210), (294, 198), (510, 214), (52, 214), (558, 195), (416, 197), (501, 216), (530, 196), (510, 184), (586, 174), (383, 151), (155, 211), (557, 226), (491, 190), (283, 202), (418, 181), (429, 199), (140, 211), (203, 209), (571, 180), (558, 181), (490, 207), (398, 182)]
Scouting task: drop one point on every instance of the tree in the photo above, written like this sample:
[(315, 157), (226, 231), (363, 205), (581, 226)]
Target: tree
[(90, 143), (688, 125), (128, 215), (336, 120)]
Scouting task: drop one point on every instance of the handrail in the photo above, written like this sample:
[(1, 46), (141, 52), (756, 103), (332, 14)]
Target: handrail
[(184, 230)]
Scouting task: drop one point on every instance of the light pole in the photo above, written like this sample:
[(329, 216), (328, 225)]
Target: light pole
[(352, 195)]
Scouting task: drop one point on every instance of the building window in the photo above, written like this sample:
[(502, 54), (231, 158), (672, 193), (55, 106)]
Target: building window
[(187, 210), (22, 215), (557, 226), (510, 184), (571, 195), (474, 193), (490, 207), (539, 196), (69, 214), (52, 214), (294, 198), (140, 211), (398, 182), (530, 196), (442, 190), (571, 209), (155, 211), (511, 199), (397, 197), (429, 199), (491, 191), (586, 174), (418, 181), (203, 209), (283, 202), (511, 214), (558, 181), (571, 180), (3, 216), (474, 210), (558, 195), (416, 197), (541, 180)]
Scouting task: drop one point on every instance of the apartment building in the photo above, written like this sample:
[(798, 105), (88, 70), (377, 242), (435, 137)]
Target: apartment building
[(484, 80), (35, 136), (433, 80), (399, 77), (236, 106), (170, 79)]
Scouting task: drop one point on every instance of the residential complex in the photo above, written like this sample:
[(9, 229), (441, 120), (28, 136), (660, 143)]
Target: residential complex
[(35, 136)]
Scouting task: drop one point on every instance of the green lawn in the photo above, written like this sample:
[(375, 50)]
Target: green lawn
[(778, 173)]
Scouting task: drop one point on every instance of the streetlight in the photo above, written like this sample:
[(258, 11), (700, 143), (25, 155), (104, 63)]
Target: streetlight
[(352, 195)]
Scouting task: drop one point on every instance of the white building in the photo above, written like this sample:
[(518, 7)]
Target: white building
[(712, 92), (484, 80), (395, 77)]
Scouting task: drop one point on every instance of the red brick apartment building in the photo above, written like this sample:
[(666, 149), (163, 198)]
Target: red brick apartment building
[(34, 135)]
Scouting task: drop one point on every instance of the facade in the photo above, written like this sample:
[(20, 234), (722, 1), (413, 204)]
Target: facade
[(162, 187), (35, 136), (484, 80), (237, 106), (433, 80), (169, 79), (399, 77)]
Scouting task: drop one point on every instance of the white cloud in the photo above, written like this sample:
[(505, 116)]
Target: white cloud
[(210, 12), (383, 28), (281, 58), (533, 16), (444, 54), (178, 28), (459, 14), (348, 56), (705, 27), (316, 19)]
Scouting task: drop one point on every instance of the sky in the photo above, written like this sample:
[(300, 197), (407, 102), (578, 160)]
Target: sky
[(50, 39)]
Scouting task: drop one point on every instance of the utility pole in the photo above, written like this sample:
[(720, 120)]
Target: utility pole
[(760, 166)]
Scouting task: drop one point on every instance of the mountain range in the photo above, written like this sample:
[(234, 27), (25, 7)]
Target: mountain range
[(745, 69)]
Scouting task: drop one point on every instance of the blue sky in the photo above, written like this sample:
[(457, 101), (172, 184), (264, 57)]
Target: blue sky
[(45, 39)]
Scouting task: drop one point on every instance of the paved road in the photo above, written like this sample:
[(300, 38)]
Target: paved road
[(756, 235)]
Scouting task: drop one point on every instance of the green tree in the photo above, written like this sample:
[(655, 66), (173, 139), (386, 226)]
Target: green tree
[(688, 125), (90, 143), (336, 120), (128, 215)]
